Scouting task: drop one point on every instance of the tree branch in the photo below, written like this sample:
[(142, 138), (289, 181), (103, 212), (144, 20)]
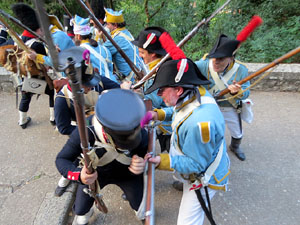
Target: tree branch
[(146, 11), (162, 5)]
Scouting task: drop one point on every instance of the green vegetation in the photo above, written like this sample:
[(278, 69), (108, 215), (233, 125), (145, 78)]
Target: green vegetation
[(279, 33)]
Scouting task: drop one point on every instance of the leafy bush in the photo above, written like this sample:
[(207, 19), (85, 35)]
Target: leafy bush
[(278, 35)]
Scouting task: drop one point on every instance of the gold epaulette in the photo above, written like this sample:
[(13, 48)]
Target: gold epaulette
[(241, 63), (204, 57)]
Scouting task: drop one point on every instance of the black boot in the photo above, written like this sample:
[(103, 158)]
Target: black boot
[(24, 125), (62, 186), (178, 185), (235, 147)]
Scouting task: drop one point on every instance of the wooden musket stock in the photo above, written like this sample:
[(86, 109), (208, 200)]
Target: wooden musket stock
[(15, 36), (78, 98), (265, 68)]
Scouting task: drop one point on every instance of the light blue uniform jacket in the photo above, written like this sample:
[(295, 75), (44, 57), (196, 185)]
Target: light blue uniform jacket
[(129, 49), (201, 145), (241, 73), (62, 40), (101, 50)]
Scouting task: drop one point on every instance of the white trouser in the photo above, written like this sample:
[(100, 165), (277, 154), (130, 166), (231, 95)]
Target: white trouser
[(190, 211), (232, 121)]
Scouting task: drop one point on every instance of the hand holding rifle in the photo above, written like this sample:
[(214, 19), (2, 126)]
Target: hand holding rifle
[(89, 174), (148, 122)]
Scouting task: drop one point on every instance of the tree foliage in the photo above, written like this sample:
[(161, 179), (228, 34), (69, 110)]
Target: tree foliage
[(278, 35)]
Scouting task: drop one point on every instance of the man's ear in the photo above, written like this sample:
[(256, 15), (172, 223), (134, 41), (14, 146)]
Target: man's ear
[(153, 55), (179, 90)]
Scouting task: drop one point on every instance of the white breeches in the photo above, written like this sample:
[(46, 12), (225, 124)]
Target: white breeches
[(232, 122), (190, 211)]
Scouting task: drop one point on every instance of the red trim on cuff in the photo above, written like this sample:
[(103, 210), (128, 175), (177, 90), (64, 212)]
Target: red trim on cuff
[(73, 175)]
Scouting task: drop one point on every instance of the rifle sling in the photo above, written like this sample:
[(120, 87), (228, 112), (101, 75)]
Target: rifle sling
[(206, 209)]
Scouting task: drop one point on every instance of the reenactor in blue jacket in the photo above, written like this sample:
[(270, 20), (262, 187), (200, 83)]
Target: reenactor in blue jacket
[(198, 151), (224, 71), (100, 56), (151, 51), (116, 24)]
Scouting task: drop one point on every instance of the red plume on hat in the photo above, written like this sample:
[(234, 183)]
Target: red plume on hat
[(255, 22), (176, 53)]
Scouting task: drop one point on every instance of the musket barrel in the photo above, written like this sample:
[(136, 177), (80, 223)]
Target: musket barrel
[(45, 24), (133, 67), (65, 9), (150, 210), (18, 23), (180, 44), (15, 36), (78, 98)]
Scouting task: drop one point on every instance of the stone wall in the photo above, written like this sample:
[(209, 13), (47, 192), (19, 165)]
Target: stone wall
[(6, 83), (285, 77)]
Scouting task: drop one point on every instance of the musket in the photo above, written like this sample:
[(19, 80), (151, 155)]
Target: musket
[(150, 210), (78, 98), (88, 5), (21, 25), (22, 45), (15, 36), (45, 25), (65, 9), (139, 73), (263, 69), (180, 44)]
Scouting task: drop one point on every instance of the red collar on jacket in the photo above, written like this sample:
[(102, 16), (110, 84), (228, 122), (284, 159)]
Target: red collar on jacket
[(28, 34)]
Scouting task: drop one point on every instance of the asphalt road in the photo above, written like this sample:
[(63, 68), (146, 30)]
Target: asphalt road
[(263, 190)]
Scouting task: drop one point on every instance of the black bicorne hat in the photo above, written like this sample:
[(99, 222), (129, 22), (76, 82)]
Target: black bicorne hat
[(26, 15), (89, 77), (68, 28), (149, 39), (120, 111), (171, 74), (224, 47)]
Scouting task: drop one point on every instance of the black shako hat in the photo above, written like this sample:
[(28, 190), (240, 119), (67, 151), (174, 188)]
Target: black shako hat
[(149, 39), (120, 111), (169, 74), (224, 47), (89, 77), (26, 15), (98, 8)]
